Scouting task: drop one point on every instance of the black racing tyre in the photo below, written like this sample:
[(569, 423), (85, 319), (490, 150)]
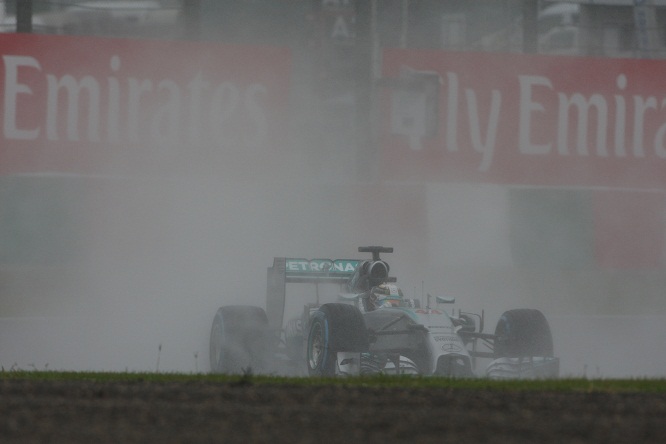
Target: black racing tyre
[(239, 340), (523, 333), (334, 328)]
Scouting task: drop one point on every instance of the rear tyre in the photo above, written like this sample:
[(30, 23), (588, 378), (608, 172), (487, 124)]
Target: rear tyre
[(334, 328), (523, 333), (239, 340)]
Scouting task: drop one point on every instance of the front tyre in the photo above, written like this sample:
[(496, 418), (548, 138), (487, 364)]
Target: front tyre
[(334, 328), (523, 333)]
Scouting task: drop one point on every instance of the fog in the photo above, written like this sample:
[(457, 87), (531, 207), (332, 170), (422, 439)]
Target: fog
[(163, 255), (166, 253), (162, 250)]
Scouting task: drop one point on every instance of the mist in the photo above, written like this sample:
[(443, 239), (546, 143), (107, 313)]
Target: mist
[(167, 252), (159, 248)]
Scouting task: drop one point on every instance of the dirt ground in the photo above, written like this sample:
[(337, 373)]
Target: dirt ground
[(85, 412)]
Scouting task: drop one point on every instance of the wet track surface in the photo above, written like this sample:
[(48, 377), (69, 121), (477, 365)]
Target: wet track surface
[(83, 412)]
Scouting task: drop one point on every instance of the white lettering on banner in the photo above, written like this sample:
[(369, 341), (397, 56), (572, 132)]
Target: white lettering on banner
[(487, 149), (73, 89), (583, 106), (136, 88), (165, 124), (641, 105), (113, 122), (620, 117), (539, 99), (12, 89), (452, 112), (527, 107), (225, 113), (659, 147)]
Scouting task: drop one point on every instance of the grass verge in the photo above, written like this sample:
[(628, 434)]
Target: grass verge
[(565, 384)]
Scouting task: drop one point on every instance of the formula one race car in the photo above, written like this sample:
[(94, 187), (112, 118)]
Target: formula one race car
[(373, 329)]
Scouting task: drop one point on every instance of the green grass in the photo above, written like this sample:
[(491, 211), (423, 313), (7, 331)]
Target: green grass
[(558, 385)]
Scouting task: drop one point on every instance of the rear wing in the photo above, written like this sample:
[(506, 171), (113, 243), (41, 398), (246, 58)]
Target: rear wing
[(297, 270)]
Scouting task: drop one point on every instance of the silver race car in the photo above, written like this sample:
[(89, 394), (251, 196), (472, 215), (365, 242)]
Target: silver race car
[(373, 329)]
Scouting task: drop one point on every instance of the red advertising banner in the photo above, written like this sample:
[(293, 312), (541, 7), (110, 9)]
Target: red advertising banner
[(80, 104), (524, 119)]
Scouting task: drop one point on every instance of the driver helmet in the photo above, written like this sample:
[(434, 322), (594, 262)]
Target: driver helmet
[(387, 295)]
